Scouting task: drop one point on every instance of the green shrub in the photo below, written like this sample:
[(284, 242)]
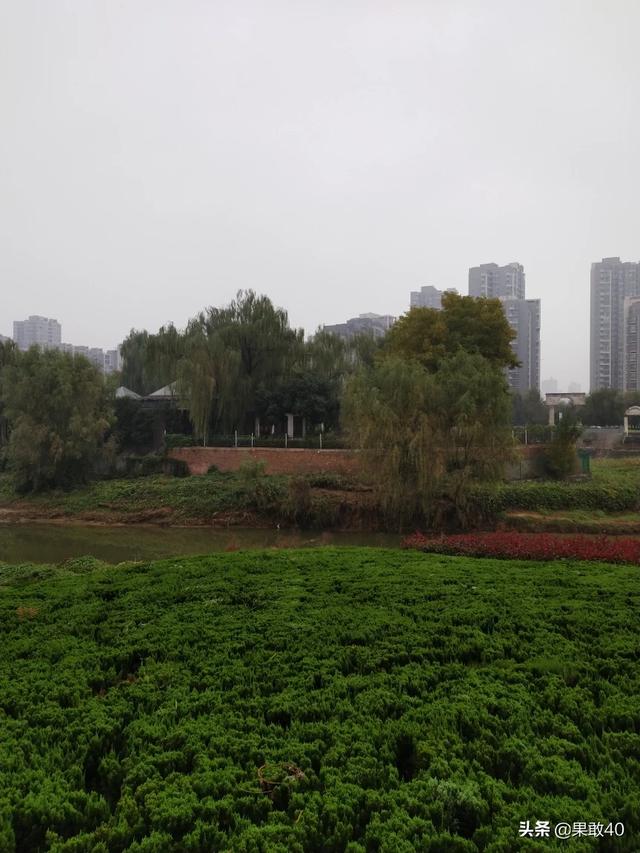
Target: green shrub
[(329, 480), (176, 468), (299, 500), (144, 466), (251, 470), (172, 440), (264, 494), (153, 464), (560, 456)]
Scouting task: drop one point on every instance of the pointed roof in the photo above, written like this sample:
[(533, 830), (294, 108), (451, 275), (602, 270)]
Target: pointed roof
[(168, 391), (126, 392)]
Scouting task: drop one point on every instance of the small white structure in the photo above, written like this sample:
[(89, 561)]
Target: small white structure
[(291, 425), (632, 412), (562, 399)]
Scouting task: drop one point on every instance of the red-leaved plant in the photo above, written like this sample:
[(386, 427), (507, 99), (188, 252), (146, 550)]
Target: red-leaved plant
[(531, 546)]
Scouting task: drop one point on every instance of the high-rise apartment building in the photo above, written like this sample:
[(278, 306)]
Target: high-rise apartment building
[(523, 315), (507, 284), (96, 357), (496, 282), (631, 347), (111, 361), (428, 297), (612, 282), (37, 331)]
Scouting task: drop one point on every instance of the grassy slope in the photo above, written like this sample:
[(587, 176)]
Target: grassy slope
[(423, 698), (158, 497), (612, 479), (616, 472)]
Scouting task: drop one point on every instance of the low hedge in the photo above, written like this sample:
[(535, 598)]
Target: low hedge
[(494, 499)]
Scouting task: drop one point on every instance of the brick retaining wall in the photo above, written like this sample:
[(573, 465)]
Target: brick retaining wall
[(278, 460)]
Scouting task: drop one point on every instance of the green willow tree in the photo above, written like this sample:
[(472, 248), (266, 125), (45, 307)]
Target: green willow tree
[(432, 415), (427, 436), (265, 350), (206, 378), (59, 417), (222, 362)]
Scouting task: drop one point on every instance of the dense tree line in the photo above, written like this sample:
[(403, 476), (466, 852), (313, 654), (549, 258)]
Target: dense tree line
[(528, 409), (605, 407), (244, 362), (429, 403)]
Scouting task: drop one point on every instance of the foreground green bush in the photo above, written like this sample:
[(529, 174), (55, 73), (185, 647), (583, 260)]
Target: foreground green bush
[(330, 700)]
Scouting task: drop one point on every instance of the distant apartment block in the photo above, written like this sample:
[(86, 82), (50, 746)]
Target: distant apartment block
[(37, 331), (111, 361), (47, 334), (494, 282), (106, 362), (613, 282), (507, 284), (523, 315), (364, 324), (96, 357), (549, 386), (631, 381), (428, 297)]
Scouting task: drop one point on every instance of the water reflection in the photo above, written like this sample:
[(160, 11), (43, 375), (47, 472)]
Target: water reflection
[(43, 543)]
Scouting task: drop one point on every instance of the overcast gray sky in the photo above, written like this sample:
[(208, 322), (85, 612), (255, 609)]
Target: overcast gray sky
[(156, 156)]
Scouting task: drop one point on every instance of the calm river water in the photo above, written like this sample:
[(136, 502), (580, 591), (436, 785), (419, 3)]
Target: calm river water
[(42, 543)]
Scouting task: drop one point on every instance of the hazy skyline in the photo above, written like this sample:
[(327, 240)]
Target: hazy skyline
[(158, 156)]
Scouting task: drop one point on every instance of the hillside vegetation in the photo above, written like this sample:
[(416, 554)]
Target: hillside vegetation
[(326, 700)]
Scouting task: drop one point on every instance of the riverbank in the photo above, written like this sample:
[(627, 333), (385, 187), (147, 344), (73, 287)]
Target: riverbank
[(216, 500), (607, 503)]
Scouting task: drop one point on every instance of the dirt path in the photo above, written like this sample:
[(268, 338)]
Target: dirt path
[(24, 513), (536, 522)]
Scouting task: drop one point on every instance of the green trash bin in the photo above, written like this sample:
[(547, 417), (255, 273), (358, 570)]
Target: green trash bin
[(585, 461)]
